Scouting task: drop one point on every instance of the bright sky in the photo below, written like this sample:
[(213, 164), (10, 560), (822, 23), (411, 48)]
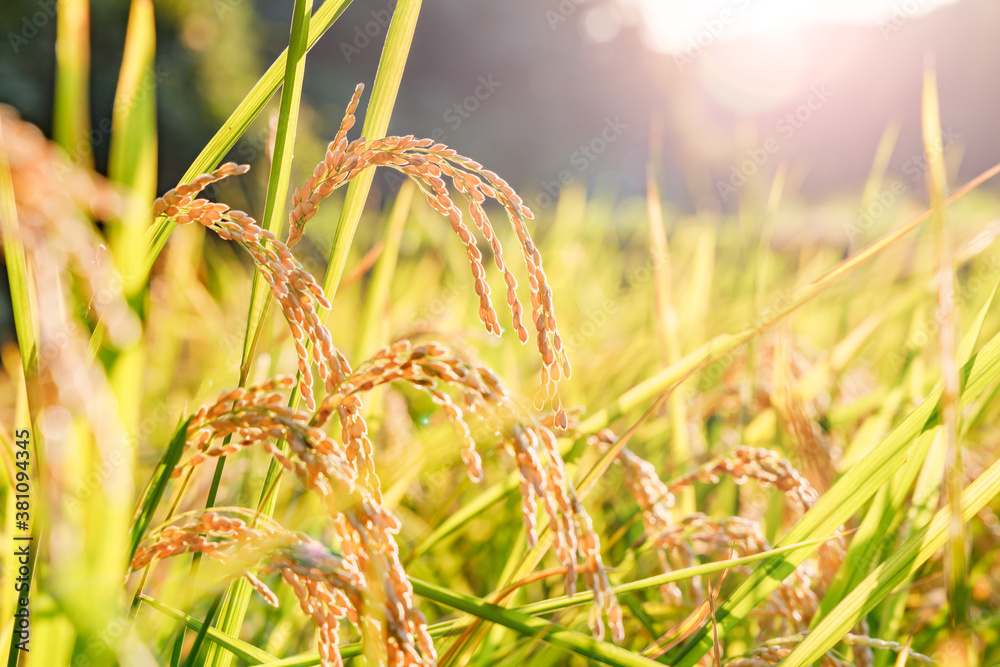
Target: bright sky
[(671, 24)]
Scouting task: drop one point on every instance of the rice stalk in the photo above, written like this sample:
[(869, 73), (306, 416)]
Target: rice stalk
[(432, 366), (329, 587), (937, 187)]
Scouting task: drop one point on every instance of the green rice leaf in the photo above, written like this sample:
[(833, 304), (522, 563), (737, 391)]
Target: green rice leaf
[(903, 563), (383, 98)]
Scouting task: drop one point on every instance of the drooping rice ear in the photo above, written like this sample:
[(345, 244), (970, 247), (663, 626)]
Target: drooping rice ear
[(294, 288), (428, 163)]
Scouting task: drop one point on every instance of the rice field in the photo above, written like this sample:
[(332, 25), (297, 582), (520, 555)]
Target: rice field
[(454, 430)]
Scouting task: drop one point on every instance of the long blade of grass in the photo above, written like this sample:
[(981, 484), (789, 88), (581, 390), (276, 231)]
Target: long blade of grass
[(845, 497), (680, 574), (236, 646), (903, 563), (474, 632), (555, 635), (937, 187), (71, 106), (199, 639), (238, 122), (237, 597), (682, 630), (281, 168), (876, 177), (158, 485), (390, 71), (132, 160), (17, 276), (666, 316)]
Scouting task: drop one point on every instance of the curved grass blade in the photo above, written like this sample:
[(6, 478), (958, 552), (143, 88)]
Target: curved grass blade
[(876, 177), (584, 597), (199, 639), (158, 484), (383, 98), (530, 626), (17, 275), (237, 647)]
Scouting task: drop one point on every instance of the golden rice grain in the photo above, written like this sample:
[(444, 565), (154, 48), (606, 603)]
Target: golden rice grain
[(294, 288)]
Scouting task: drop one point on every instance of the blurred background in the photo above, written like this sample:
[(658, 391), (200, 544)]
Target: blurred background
[(551, 92)]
